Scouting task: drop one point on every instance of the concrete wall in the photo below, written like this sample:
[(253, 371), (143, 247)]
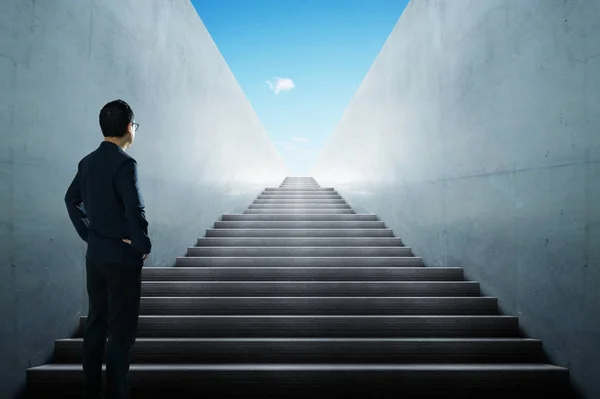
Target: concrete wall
[(200, 147), (476, 137)]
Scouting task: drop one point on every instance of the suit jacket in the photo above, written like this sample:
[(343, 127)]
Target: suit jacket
[(105, 206)]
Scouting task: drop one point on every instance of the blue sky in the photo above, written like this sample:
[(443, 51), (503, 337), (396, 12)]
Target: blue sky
[(325, 47)]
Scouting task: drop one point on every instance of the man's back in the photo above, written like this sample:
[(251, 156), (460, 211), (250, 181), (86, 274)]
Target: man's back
[(107, 211), (106, 184)]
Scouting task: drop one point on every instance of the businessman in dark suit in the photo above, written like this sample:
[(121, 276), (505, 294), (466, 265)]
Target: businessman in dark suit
[(107, 210)]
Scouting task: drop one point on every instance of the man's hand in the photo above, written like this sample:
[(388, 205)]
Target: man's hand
[(144, 257)]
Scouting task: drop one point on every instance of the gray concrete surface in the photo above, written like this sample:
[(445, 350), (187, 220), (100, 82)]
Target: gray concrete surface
[(476, 137), (200, 147)]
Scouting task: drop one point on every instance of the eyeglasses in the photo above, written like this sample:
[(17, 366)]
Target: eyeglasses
[(135, 126)]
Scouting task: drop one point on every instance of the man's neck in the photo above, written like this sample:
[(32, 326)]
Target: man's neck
[(117, 141)]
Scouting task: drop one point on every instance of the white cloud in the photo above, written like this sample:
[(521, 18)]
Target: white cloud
[(300, 139), (281, 84)]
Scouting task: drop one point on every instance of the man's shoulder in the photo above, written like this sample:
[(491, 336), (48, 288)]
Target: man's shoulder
[(100, 157), (125, 158), (100, 153), (86, 159)]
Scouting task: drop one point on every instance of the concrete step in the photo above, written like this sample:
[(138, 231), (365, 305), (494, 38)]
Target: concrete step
[(319, 350), (301, 186), (326, 326), (317, 193), (311, 288), (295, 306), (303, 261), (299, 251), (295, 381), (299, 241), (309, 273), (303, 201), (282, 189), (299, 224), (299, 206), (299, 211), (301, 217), (304, 233), (273, 196)]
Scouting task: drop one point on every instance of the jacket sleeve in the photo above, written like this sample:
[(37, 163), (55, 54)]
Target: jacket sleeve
[(127, 186), (75, 207)]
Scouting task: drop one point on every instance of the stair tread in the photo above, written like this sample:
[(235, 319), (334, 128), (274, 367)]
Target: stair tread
[(331, 224), (308, 273), (271, 317), (299, 207), (298, 257), (301, 239), (283, 211), (322, 366), (307, 214), (420, 298), (319, 233), (314, 261), (408, 268), (242, 241), (280, 282), (292, 229), (302, 339), (317, 288)]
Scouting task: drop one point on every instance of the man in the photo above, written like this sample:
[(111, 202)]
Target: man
[(107, 210)]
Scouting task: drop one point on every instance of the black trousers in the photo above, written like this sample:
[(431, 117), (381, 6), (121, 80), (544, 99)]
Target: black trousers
[(114, 292)]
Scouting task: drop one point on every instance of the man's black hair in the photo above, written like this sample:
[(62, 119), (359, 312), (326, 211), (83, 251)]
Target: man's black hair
[(115, 117)]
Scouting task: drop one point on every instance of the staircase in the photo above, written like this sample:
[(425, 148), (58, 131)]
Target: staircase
[(301, 297)]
